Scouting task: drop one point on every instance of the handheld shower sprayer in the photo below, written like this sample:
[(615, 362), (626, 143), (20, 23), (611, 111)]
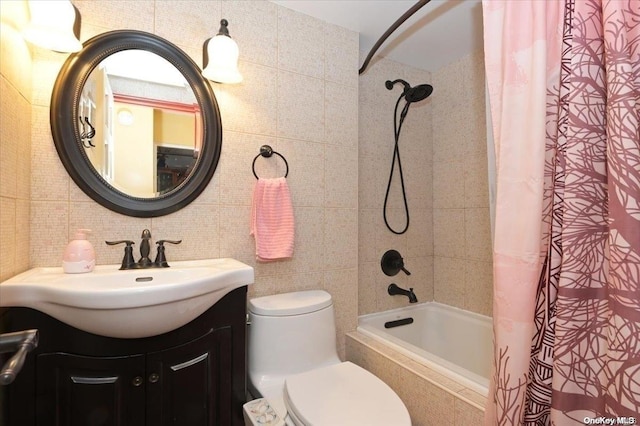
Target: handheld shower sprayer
[(410, 95)]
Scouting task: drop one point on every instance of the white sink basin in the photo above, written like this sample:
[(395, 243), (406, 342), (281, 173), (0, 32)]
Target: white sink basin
[(131, 303)]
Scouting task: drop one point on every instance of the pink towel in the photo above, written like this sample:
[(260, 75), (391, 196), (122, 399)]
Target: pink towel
[(272, 219)]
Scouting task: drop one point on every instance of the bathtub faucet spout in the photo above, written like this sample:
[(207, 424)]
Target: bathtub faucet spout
[(395, 290)]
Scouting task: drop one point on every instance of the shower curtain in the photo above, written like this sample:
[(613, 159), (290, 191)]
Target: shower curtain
[(564, 87)]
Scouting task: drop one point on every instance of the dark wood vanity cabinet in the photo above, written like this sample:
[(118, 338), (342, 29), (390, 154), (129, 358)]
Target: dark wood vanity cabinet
[(192, 376), (78, 390), (196, 383)]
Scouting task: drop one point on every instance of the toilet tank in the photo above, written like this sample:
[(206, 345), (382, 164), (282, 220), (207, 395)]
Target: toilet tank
[(290, 333)]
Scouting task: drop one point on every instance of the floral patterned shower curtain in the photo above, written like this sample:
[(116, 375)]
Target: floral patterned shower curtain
[(564, 90)]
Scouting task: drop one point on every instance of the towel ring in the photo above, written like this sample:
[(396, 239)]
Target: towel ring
[(266, 151)]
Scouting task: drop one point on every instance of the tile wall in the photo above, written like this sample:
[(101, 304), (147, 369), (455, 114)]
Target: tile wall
[(299, 95), (444, 156), (462, 265), (376, 115), (448, 245), (15, 140)]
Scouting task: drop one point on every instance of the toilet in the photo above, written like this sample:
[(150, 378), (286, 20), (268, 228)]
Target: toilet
[(295, 370)]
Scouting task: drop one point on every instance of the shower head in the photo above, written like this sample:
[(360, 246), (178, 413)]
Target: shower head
[(418, 93), (411, 94)]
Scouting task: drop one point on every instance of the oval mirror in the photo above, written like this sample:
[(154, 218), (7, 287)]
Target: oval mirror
[(135, 124)]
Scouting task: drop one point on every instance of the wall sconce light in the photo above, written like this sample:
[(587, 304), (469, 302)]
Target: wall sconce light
[(221, 57), (52, 25)]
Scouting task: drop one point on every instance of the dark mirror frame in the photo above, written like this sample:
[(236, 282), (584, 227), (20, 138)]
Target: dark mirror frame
[(66, 133)]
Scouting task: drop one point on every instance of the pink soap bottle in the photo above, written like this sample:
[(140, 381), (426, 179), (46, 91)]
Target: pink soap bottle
[(79, 256)]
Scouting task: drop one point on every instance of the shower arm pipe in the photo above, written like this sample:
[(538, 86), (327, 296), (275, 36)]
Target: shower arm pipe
[(391, 29)]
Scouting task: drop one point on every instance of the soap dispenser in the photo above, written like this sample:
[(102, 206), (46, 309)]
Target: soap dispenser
[(79, 256)]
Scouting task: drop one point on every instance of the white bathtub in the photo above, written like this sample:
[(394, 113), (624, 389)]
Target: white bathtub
[(451, 341)]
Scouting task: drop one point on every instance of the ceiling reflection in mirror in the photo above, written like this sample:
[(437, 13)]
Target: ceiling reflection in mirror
[(140, 123), (138, 144)]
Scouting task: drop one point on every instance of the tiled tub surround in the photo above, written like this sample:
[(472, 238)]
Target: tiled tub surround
[(462, 253), (443, 146), (448, 245), (376, 108), (432, 398)]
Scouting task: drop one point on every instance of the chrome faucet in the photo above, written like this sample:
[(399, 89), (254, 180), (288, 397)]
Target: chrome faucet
[(128, 261), (394, 290)]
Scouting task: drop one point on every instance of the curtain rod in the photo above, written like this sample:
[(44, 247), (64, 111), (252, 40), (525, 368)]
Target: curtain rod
[(391, 29)]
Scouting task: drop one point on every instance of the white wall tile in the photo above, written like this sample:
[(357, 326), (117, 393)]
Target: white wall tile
[(9, 98), (448, 233), (340, 66), (300, 43), (341, 176), (49, 179), (131, 14), (8, 226), (448, 280), (300, 107), (49, 232), (341, 112), (254, 26), (197, 225), (340, 238), (250, 106), (306, 178), (188, 23)]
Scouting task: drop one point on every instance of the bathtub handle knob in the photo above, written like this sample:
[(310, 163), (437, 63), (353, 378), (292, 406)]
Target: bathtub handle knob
[(392, 263)]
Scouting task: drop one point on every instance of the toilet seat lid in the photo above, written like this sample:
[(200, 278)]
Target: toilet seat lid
[(294, 303), (343, 394)]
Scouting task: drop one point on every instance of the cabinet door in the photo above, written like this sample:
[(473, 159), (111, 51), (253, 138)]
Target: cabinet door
[(73, 390), (191, 384)]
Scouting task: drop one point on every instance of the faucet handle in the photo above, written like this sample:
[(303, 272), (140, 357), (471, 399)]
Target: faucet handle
[(113, 243), (160, 242), (392, 263), (127, 261), (161, 259)]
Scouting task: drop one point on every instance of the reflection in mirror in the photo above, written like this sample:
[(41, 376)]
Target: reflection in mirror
[(140, 122), (96, 111)]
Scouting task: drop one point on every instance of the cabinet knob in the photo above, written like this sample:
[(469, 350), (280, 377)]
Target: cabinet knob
[(137, 381), (154, 377)]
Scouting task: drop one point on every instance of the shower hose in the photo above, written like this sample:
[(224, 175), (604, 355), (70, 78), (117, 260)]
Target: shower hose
[(397, 126)]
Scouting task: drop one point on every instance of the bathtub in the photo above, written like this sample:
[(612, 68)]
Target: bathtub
[(451, 341)]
